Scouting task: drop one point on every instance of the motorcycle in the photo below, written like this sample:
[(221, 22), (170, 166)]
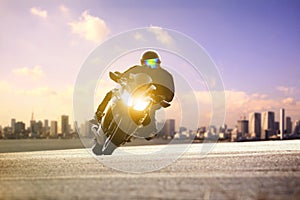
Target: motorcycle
[(130, 114)]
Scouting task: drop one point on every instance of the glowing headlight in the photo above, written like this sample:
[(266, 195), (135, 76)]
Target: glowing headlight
[(140, 104)]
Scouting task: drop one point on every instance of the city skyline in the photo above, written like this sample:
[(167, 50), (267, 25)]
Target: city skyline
[(253, 43), (256, 122), (63, 119)]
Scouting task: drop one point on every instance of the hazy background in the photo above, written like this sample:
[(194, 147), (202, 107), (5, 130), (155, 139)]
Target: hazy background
[(255, 45)]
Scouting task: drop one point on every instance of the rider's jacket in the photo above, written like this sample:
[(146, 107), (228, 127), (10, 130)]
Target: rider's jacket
[(161, 78)]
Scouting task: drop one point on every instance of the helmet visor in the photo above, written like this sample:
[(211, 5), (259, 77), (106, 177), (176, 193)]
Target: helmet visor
[(152, 63)]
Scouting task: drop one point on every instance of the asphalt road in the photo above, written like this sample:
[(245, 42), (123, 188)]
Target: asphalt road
[(250, 170)]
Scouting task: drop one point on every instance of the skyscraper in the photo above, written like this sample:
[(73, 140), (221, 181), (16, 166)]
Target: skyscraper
[(169, 128), (276, 128), (267, 124), (242, 127), (53, 129), (33, 126), (297, 127), (255, 124), (65, 124), (39, 125), (13, 123), (289, 125), (86, 129), (46, 128), (19, 127), (281, 123)]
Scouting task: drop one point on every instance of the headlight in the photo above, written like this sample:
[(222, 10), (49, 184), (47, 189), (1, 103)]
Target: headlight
[(140, 104), (137, 101)]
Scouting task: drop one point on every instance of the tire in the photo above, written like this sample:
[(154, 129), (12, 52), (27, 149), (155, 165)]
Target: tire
[(108, 147), (97, 149)]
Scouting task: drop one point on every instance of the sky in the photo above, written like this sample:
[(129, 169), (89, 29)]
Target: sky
[(254, 44)]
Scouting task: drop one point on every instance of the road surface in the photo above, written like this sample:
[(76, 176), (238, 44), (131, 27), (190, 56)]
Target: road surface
[(249, 170)]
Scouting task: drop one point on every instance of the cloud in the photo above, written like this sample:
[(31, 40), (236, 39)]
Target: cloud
[(258, 103), (240, 103), (258, 96), (90, 28), (138, 36), (64, 9), (46, 102), (286, 90), (161, 35), (38, 12), (289, 101), (203, 97), (35, 73), (236, 98), (5, 86), (39, 91)]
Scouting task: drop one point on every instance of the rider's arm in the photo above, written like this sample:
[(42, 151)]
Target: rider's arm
[(169, 90), (116, 76)]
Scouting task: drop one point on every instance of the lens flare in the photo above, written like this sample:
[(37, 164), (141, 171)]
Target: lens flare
[(140, 104)]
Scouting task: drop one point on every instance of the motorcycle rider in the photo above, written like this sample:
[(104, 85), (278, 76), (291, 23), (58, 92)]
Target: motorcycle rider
[(162, 79)]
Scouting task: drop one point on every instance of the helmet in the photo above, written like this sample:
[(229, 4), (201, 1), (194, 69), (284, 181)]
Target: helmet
[(150, 59), (149, 55)]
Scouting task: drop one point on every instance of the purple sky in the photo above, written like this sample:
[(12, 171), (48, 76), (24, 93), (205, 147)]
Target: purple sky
[(255, 45)]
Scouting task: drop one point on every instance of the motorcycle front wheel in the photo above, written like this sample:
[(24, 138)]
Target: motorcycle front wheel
[(108, 147), (97, 148)]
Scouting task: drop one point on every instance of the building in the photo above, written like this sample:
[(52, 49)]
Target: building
[(200, 132), (277, 128), (223, 129), (19, 127), (20, 130), (36, 128), (297, 127), (234, 135), (281, 123), (32, 124), (39, 125), (13, 123), (46, 130), (255, 124), (65, 124), (242, 127), (82, 130), (182, 129), (267, 124), (86, 129), (7, 132), (289, 125), (212, 129), (168, 131), (53, 129), (76, 127)]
